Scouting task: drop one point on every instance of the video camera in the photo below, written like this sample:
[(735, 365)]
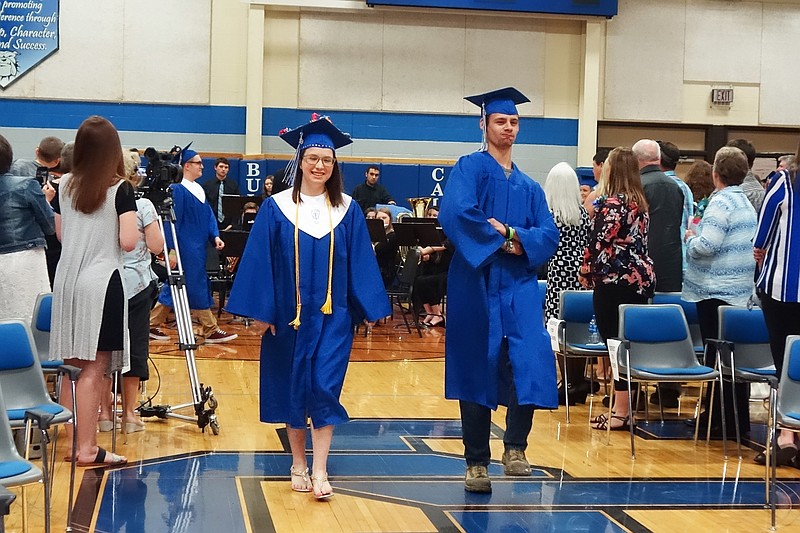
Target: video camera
[(161, 172)]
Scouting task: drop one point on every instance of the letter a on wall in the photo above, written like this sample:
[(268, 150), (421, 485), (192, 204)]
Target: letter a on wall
[(28, 36)]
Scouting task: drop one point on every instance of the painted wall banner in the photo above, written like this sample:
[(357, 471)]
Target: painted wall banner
[(28, 35)]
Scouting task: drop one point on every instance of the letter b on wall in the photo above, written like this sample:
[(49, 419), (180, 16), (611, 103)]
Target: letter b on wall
[(251, 176)]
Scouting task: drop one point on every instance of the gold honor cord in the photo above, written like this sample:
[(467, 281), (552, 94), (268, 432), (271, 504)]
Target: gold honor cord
[(327, 307)]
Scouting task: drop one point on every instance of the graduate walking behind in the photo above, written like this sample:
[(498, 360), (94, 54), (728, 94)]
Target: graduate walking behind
[(497, 351), (309, 273)]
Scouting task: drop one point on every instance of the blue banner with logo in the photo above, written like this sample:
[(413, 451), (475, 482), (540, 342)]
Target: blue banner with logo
[(28, 35)]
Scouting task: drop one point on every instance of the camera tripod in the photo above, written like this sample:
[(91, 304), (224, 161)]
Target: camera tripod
[(203, 400)]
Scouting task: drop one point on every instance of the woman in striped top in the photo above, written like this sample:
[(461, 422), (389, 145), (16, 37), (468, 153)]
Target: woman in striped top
[(777, 250)]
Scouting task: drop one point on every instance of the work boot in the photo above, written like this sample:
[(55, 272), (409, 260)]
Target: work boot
[(477, 479), (515, 463)]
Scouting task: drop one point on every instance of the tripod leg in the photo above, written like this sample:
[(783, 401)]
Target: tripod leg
[(183, 319)]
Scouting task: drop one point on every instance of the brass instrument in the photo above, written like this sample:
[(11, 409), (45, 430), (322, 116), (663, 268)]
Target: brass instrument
[(419, 206)]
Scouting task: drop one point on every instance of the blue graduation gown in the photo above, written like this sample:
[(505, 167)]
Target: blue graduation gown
[(303, 370), (195, 226), (492, 294)]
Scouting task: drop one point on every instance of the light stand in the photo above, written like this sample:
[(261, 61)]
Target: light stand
[(204, 415)]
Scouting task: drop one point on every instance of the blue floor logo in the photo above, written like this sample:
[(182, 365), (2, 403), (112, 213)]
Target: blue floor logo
[(386, 477)]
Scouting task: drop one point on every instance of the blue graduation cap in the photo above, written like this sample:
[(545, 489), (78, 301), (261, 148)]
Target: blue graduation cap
[(319, 133), (586, 176), (499, 101)]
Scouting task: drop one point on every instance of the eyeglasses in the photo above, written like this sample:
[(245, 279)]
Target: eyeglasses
[(194, 163), (314, 159)]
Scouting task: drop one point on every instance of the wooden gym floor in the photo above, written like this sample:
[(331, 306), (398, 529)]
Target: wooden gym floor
[(397, 465)]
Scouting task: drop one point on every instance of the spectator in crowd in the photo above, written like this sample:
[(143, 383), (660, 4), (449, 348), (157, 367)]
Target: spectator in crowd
[(386, 251), (25, 220), (269, 182), (670, 155), (665, 209), (496, 350), (248, 216), (701, 184), (430, 285), (777, 250), (218, 187), (785, 161), (616, 264), (665, 206), (141, 287), (308, 287), (597, 169), (48, 155), (370, 193), (700, 181), (751, 186), (563, 199), (720, 267), (96, 222), (53, 251), (195, 225), (371, 212)]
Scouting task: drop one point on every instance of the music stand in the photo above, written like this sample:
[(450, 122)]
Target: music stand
[(420, 220), (247, 221), (233, 205), (377, 233), (417, 234), (235, 242)]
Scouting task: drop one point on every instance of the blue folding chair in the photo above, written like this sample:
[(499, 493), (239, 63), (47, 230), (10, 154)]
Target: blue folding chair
[(22, 382), (40, 327), (542, 292), (14, 470), (785, 412), (657, 347), (576, 309), (689, 311), (743, 356)]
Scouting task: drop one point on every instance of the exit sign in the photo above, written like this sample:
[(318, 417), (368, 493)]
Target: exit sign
[(722, 96)]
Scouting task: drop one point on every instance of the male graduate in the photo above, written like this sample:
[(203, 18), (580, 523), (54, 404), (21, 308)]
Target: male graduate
[(497, 351), (195, 226)]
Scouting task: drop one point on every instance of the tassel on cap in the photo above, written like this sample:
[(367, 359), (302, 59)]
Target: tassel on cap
[(484, 144), (319, 133), (499, 101), (291, 168)]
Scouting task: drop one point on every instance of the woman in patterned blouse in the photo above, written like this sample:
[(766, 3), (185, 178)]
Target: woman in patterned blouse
[(564, 199), (616, 263)]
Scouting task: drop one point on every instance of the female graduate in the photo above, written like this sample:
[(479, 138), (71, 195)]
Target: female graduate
[(310, 274)]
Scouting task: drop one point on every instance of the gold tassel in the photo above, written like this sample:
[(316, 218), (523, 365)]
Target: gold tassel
[(296, 322), (327, 307)]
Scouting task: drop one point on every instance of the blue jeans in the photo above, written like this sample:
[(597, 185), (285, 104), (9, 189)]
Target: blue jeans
[(476, 421)]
